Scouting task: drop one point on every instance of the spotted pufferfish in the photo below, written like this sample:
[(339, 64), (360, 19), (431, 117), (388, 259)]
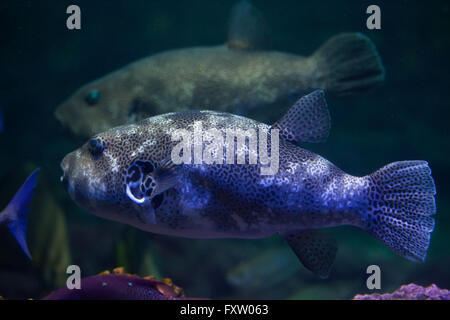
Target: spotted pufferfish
[(127, 174)]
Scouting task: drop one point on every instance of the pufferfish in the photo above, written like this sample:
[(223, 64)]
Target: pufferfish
[(242, 77), (129, 174)]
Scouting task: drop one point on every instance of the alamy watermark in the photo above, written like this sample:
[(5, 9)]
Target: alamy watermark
[(73, 22), (74, 279), (373, 22), (227, 146), (374, 280)]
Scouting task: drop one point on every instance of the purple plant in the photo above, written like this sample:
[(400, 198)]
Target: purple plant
[(409, 292)]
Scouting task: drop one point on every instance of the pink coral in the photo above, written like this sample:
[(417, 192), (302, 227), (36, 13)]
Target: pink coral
[(409, 292)]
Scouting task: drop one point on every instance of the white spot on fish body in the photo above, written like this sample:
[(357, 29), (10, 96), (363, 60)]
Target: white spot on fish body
[(112, 161)]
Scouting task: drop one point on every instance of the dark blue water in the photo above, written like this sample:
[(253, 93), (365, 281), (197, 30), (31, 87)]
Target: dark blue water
[(42, 63)]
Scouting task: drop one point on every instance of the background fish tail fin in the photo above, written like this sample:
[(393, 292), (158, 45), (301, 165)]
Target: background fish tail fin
[(401, 206), (347, 64), (16, 213)]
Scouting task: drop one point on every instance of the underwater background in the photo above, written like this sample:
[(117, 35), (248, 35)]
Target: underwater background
[(42, 63)]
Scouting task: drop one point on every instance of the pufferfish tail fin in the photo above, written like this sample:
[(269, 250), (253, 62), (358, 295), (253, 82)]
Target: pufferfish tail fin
[(15, 215), (347, 64), (401, 206)]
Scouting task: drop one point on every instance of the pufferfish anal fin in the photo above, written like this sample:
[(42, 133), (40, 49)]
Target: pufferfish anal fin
[(308, 120), (315, 249), (247, 28)]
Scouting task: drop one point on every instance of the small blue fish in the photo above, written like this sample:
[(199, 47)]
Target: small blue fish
[(15, 215)]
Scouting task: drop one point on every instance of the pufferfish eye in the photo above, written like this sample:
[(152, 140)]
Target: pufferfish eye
[(93, 97), (95, 147)]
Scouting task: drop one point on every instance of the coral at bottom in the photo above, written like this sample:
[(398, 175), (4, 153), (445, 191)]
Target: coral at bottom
[(119, 285), (409, 292)]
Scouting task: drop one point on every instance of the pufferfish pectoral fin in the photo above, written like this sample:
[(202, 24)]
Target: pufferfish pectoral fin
[(165, 176), (145, 181), (247, 28), (308, 120), (315, 249)]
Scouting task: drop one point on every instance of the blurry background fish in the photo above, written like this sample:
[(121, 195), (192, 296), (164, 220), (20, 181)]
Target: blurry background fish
[(242, 76), (42, 63), (263, 271)]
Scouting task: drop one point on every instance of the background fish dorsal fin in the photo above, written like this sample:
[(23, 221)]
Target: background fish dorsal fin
[(315, 249), (247, 28), (308, 120)]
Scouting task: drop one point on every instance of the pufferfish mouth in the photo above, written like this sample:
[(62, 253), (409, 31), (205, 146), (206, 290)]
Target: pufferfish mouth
[(75, 187), (69, 168)]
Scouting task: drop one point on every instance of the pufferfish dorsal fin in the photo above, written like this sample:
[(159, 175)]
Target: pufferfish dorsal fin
[(308, 120), (247, 29), (315, 249)]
